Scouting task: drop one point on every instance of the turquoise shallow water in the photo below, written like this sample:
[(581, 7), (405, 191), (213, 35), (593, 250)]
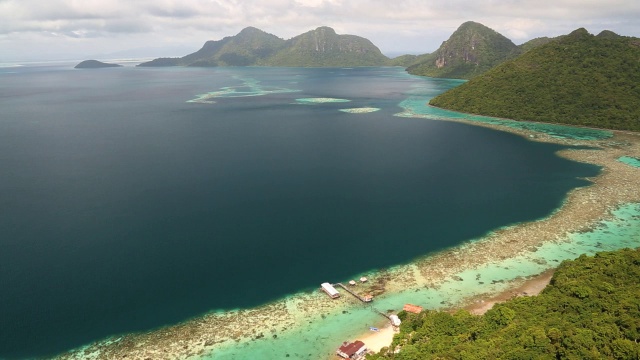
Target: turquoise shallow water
[(248, 87), (322, 335), (417, 105), (630, 161)]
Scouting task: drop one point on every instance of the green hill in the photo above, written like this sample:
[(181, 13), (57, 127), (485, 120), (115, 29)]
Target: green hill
[(407, 60), (249, 47), (591, 310), (608, 34), (534, 43), (579, 79), (319, 47), (471, 50), (323, 47)]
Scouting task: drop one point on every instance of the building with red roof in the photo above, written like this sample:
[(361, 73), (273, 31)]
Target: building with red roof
[(351, 350), (412, 308)]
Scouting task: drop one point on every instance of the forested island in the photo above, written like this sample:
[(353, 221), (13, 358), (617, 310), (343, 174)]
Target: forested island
[(578, 79), (95, 64), (321, 47), (590, 310)]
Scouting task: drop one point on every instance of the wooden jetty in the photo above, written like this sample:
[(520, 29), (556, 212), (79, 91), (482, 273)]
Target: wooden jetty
[(381, 313), (365, 299)]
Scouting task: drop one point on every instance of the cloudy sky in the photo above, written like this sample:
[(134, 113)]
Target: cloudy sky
[(77, 29)]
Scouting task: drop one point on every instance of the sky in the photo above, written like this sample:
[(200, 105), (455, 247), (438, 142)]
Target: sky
[(80, 29)]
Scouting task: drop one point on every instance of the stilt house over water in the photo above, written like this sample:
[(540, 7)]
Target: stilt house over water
[(330, 290)]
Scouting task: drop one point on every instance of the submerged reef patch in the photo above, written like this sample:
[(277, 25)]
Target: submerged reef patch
[(320, 100), (635, 162), (249, 87), (362, 110)]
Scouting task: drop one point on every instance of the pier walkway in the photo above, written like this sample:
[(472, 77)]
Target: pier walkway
[(364, 300), (381, 313)]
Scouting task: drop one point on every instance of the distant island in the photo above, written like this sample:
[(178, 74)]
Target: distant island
[(321, 47), (94, 64), (472, 49)]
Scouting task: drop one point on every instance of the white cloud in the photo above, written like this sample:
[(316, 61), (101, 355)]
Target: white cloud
[(520, 28), (417, 25)]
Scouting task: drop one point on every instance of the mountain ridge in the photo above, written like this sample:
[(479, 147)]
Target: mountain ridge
[(321, 47)]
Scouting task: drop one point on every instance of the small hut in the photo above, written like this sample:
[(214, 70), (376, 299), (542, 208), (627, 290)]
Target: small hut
[(412, 308), (395, 320)]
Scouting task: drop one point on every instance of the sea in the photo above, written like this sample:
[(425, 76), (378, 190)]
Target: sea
[(136, 198)]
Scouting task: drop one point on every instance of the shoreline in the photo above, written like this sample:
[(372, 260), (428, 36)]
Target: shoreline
[(611, 178), (582, 210), (476, 306), (530, 287)]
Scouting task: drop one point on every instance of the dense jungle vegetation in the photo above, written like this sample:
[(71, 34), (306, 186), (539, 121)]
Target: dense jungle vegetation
[(579, 79), (590, 310)]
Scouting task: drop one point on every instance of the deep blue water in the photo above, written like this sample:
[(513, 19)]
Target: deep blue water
[(125, 207)]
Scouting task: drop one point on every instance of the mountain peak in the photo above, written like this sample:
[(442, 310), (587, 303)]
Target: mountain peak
[(325, 29), (608, 34), (250, 30), (579, 33), (468, 24), (472, 49)]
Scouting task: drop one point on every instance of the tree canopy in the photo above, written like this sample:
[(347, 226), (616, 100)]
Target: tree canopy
[(579, 79), (590, 310)]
